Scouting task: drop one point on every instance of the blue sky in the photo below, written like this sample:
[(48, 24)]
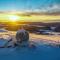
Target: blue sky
[(7, 5)]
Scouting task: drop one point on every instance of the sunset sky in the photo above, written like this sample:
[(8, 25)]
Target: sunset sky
[(22, 6)]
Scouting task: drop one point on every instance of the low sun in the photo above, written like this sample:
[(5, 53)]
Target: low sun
[(13, 18)]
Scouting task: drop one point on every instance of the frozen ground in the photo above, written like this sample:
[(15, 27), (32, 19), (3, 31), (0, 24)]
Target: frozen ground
[(43, 50)]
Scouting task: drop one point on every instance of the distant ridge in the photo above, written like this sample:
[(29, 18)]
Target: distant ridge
[(33, 23)]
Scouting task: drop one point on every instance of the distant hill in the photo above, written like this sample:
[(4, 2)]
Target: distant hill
[(32, 23), (31, 26)]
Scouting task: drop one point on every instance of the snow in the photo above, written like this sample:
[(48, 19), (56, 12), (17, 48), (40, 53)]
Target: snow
[(41, 52)]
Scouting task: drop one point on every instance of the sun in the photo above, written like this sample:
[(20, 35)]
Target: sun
[(13, 18)]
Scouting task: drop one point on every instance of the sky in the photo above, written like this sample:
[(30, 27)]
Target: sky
[(35, 5), (30, 6)]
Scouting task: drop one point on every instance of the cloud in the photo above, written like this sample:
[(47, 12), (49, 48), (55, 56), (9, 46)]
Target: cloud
[(45, 9), (49, 9), (53, 8)]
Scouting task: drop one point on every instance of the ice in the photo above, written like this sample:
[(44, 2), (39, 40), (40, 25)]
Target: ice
[(43, 51)]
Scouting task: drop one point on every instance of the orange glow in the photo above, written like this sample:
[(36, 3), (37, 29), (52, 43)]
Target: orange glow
[(32, 18)]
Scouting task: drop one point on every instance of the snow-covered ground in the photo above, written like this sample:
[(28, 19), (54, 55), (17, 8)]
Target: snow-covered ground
[(55, 39), (42, 51)]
